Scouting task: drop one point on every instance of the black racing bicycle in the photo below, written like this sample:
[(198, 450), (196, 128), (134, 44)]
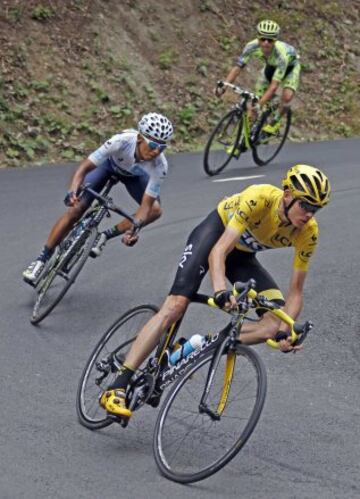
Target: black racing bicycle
[(216, 393), (234, 134), (71, 254)]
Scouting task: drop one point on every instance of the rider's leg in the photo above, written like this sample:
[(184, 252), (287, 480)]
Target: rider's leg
[(64, 224), (286, 97), (191, 270), (148, 338), (113, 399), (290, 85)]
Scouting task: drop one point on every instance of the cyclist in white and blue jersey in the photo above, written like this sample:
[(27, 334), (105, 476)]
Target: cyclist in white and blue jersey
[(137, 159)]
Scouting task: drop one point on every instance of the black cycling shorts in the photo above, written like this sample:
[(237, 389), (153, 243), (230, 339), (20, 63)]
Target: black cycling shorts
[(240, 265)]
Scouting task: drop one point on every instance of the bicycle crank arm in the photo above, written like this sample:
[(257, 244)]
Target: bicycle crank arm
[(63, 275)]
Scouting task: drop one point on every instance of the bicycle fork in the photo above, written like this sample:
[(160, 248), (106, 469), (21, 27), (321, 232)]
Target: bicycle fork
[(228, 376)]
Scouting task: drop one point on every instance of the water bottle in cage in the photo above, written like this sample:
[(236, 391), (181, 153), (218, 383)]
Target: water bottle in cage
[(194, 343)]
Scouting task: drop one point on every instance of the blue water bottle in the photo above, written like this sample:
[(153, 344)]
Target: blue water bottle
[(194, 343)]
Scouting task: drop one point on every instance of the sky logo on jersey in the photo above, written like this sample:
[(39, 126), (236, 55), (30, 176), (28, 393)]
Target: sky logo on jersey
[(187, 253), (250, 242)]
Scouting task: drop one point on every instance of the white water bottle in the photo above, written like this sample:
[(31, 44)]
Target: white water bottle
[(194, 343)]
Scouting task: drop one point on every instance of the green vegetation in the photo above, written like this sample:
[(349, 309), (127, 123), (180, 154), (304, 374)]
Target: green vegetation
[(42, 13), (167, 59), (71, 75)]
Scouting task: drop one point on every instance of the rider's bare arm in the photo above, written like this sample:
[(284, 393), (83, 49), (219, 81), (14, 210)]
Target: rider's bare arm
[(294, 299), (231, 77), (218, 255), (85, 167), (144, 213)]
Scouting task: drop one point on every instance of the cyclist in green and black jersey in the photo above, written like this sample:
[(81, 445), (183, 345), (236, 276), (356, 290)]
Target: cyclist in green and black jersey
[(282, 68)]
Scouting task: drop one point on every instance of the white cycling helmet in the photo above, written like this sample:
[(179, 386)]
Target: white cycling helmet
[(156, 126)]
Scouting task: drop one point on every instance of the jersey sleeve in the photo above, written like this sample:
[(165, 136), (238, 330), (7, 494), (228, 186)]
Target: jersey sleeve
[(109, 148), (157, 177), (247, 54), (305, 246), (249, 207), (282, 61)]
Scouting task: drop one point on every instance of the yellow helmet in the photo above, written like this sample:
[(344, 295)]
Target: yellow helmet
[(268, 29), (308, 184)]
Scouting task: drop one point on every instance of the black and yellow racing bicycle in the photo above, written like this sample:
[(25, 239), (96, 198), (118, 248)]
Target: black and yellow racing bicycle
[(234, 134), (215, 396)]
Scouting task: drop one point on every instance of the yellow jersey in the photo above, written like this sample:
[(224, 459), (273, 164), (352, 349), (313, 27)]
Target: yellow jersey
[(254, 213)]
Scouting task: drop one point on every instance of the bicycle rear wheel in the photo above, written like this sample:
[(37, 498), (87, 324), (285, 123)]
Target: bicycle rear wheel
[(190, 446), (104, 363), (223, 142), (62, 274), (266, 146)]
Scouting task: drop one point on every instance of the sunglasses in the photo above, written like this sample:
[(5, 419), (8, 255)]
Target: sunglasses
[(154, 145), (309, 208), (270, 40)]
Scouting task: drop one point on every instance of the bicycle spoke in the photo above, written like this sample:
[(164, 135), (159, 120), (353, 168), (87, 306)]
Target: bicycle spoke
[(268, 145), (222, 143), (111, 349), (190, 445)]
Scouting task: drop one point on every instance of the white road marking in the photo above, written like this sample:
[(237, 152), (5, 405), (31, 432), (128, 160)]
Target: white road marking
[(237, 178)]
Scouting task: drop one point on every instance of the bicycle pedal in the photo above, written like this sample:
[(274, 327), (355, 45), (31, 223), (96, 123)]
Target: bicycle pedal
[(116, 419), (33, 284)]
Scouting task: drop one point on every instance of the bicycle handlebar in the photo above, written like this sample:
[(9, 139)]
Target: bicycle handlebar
[(238, 90), (247, 298), (110, 205)]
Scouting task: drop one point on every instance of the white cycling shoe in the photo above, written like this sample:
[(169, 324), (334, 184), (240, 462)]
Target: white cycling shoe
[(32, 273), (99, 244)]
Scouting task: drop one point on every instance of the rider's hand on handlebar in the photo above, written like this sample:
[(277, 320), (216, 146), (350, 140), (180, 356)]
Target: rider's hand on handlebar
[(226, 300), (71, 199), (285, 344), (129, 238), (220, 89)]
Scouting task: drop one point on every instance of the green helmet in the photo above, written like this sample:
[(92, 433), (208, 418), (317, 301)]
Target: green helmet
[(268, 29)]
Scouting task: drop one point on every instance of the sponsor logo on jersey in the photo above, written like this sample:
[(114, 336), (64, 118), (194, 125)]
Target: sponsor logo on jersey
[(250, 242), (305, 255), (278, 238), (187, 253)]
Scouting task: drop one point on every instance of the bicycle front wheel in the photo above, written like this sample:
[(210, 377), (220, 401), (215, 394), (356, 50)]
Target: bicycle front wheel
[(104, 362), (190, 445), (62, 274), (267, 146), (223, 142)]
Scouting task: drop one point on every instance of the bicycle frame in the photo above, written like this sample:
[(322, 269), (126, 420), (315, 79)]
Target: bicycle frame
[(226, 339)]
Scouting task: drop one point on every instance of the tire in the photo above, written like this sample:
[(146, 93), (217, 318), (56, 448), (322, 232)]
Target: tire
[(225, 134), (265, 148), (53, 286), (190, 446), (119, 338)]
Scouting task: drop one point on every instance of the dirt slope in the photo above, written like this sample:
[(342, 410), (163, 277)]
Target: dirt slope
[(76, 71)]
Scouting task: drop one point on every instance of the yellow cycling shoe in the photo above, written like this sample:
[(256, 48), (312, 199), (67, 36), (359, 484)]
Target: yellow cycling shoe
[(232, 150), (113, 401), (272, 129)]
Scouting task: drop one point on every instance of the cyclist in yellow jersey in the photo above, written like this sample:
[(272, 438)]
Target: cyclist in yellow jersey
[(258, 218), (282, 68)]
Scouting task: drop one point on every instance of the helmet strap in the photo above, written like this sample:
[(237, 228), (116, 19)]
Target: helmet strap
[(287, 208)]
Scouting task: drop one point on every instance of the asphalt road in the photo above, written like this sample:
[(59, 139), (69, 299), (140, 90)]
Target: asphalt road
[(306, 444)]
